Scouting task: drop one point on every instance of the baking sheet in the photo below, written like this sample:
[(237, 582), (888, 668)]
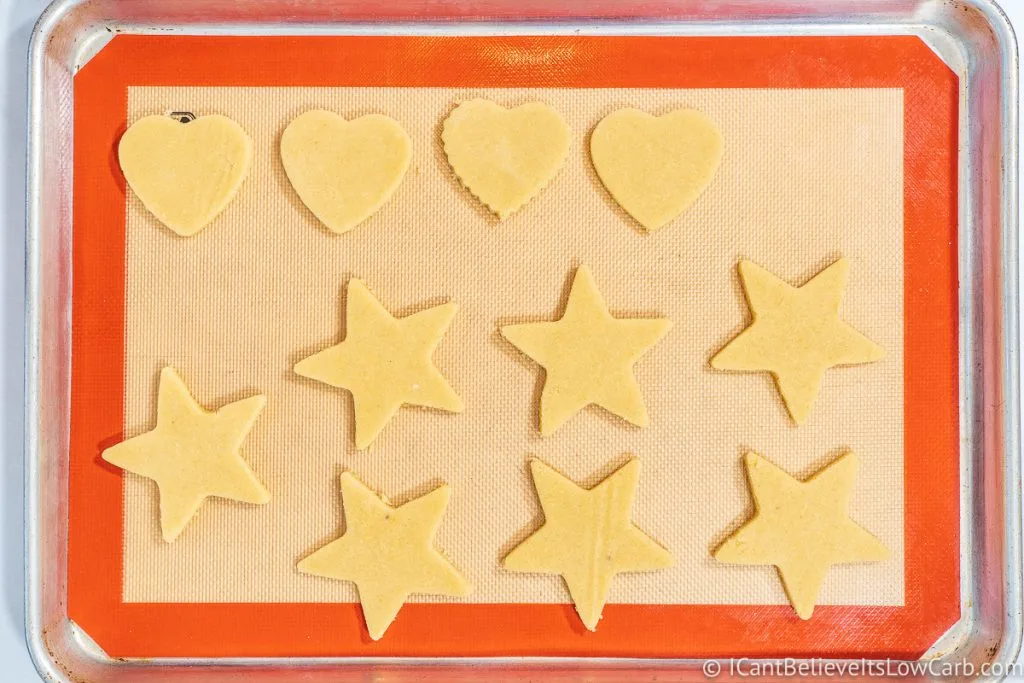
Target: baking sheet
[(230, 630), (263, 286)]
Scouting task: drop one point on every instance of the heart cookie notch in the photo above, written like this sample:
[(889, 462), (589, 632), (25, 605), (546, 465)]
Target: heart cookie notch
[(656, 167), (185, 173), (344, 171), (505, 156)]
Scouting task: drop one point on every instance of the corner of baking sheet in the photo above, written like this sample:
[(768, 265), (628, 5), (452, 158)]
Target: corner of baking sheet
[(951, 29), (73, 31), (97, 39)]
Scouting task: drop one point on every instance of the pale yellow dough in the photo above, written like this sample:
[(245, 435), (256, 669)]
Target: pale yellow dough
[(505, 156), (344, 170), (385, 362), (656, 167), (192, 454), (802, 528), (387, 552), (185, 173), (587, 537), (796, 334), (588, 356)]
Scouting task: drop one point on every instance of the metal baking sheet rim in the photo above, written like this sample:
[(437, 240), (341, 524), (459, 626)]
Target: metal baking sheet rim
[(973, 37)]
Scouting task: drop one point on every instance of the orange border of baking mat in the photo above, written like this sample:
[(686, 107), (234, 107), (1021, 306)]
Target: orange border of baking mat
[(932, 449)]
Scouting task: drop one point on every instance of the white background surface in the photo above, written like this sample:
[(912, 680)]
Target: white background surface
[(16, 20)]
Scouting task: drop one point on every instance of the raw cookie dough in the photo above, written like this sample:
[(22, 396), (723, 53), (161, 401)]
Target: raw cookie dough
[(344, 170), (587, 536), (796, 334), (505, 156), (588, 356), (655, 167), (185, 173), (192, 454), (803, 528), (387, 552), (385, 362)]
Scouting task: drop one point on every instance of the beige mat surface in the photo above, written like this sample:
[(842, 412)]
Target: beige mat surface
[(808, 175)]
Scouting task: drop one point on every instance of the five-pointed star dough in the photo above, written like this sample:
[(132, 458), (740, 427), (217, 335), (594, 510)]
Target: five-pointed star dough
[(796, 334), (192, 453), (802, 528), (385, 362), (588, 356), (387, 552), (587, 536)]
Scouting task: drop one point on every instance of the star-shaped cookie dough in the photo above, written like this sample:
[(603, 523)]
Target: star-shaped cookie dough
[(588, 356), (796, 334), (802, 528), (387, 552), (587, 537), (385, 362), (192, 454)]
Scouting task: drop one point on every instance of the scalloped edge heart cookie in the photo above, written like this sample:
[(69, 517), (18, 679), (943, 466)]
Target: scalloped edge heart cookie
[(505, 157)]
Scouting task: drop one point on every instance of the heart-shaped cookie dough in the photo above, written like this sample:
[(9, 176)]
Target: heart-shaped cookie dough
[(344, 170), (185, 173), (656, 167), (505, 156)]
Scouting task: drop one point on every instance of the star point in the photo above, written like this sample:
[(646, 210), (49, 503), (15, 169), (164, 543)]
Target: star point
[(192, 453), (796, 334), (587, 536), (387, 552), (385, 362), (802, 528), (588, 356)]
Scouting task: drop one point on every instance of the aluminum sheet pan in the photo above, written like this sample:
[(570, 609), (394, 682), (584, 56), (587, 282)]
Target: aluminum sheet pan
[(971, 36)]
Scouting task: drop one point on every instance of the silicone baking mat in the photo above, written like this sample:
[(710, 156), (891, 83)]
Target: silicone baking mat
[(825, 156)]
